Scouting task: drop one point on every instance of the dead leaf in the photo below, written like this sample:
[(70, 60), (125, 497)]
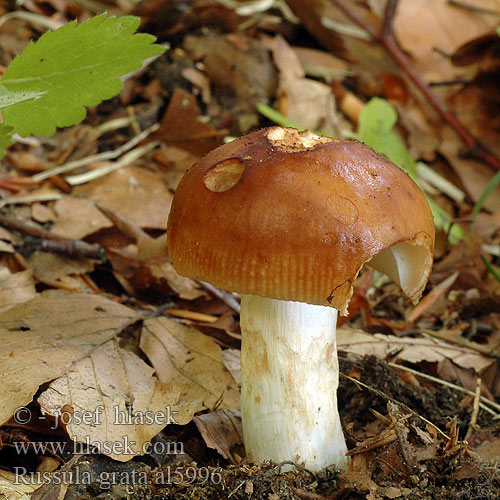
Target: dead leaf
[(187, 358), (432, 30), (58, 271), (15, 288), (44, 337), (221, 430), (11, 488), (308, 103), (135, 192), (77, 218), (473, 174), (42, 213), (181, 126), (127, 404), (160, 275), (232, 361), (359, 474), (413, 350)]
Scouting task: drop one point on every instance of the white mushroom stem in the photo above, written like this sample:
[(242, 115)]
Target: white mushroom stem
[(289, 383)]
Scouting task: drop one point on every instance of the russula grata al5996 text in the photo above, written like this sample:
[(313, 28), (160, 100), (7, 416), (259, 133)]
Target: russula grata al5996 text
[(288, 219)]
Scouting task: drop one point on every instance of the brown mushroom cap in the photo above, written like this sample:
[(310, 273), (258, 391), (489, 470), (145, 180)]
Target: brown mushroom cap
[(294, 216)]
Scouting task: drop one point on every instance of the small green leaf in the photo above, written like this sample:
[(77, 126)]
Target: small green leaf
[(6, 132), (8, 98), (74, 66), (376, 123)]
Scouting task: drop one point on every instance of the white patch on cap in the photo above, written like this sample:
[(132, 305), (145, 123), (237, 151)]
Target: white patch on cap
[(291, 140)]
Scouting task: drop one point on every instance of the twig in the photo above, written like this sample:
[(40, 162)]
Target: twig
[(483, 404), (392, 400), (226, 297), (486, 350), (125, 160), (31, 198), (51, 242), (475, 410), (107, 155), (386, 38), (73, 248)]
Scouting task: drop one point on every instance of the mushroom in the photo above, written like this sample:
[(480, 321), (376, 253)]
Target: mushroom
[(288, 219)]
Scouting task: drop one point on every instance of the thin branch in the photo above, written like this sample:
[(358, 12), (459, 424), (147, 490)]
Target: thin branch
[(483, 400), (386, 38), (392, 400), (50, 242)]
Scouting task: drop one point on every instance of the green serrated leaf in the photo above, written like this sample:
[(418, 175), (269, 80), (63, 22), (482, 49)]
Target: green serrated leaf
[(8, 98), (77, 65), (6, 132)]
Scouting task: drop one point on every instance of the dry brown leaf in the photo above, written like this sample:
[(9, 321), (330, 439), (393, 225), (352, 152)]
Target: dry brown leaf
[(177, 161), (119, 391), (161, 276), (238, 63), (181, 126), (42, 213), (318, 62), (13, 489), (308, 103), (409, 349), (221, 430), (137, 193), (489, 450), (359, 474), (232, 361), (473, 174), (6, 247), (58, 270), (432, 30), (44, 337), (15, 288), (187, 358), (77, 218)]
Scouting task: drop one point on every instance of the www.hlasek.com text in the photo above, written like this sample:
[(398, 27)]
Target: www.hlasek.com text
[(87, 445)]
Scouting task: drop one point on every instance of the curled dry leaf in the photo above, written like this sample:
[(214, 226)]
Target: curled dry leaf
[(13, 489), (187, 358), (431, 30), (59, 271), (128, 404), (232, 361), (15, 288), (410, 349), (221, 430), (182, 128), (304, 101), (44, 337), (160, 275)]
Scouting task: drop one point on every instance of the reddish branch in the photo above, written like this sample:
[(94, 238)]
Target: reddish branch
[(386, 38), (50, 242)]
